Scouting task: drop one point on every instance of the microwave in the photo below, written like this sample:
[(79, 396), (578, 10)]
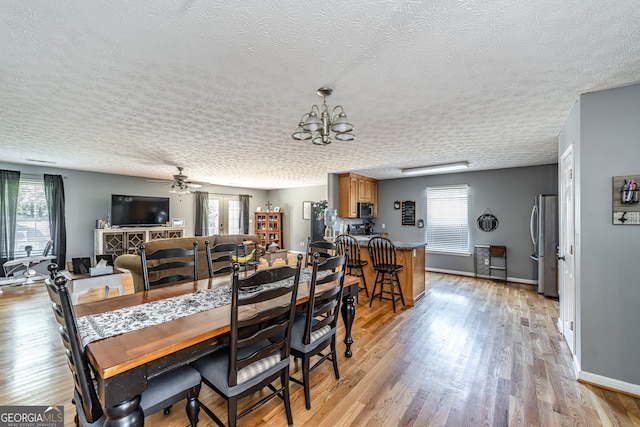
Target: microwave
[(365, 210)]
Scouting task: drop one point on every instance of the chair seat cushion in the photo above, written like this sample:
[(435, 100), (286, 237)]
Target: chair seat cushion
[(164, 390), (297, 333), (257, 368), (168, 387), (214, 369)]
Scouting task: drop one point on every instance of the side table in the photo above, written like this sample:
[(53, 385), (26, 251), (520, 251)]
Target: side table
[(278, 254), (79, 284)]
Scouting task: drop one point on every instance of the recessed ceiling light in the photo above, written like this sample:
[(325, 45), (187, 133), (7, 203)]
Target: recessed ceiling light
[(431, 169)]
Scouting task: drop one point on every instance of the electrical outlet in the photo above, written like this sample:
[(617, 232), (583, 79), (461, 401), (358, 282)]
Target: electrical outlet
[(301, 243), (382, 225), (486, 261)]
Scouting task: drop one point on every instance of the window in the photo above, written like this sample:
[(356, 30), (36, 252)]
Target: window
[(447, 219), (32, 218)]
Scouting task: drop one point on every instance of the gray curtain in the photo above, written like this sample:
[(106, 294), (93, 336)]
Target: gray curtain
[(202, 213), (9, 186), (244, 213), (54, 193)]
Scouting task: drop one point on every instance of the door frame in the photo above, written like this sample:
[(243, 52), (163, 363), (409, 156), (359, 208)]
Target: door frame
[(567, 320), (223, 213)]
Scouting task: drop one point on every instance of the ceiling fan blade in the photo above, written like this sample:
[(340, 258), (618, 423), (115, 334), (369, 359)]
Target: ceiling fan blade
[(193, 185), (164, 181)]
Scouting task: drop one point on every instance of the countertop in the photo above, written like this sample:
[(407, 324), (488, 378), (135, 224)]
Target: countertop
[(364, 241)]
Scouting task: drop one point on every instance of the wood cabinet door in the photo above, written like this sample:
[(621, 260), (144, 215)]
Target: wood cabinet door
[(362, 190), (368, 191), (354, 186), (374, 197)]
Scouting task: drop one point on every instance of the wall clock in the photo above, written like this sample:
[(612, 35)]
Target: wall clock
[(396, 204)]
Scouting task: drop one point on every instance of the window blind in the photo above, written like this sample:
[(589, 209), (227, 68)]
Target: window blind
[(448, 219)]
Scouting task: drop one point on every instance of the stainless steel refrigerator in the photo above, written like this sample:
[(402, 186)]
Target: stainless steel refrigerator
[(544, 235)]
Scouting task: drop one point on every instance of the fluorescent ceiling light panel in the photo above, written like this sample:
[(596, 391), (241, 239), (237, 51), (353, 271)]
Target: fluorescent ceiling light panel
[(426, 170)]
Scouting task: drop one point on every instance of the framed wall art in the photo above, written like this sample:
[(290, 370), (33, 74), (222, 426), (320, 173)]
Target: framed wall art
[(306, 210)]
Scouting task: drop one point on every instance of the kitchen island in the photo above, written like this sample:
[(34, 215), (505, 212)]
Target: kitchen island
[(411, 255)]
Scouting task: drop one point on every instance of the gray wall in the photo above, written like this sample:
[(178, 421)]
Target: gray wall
[(508, 193), (88, 198), (296, 230), (608, 294)]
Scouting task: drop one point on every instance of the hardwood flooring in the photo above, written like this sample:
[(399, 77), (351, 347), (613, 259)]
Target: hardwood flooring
[(471, 353)]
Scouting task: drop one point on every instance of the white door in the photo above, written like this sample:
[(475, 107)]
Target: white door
[(567, 250), (224, 215)]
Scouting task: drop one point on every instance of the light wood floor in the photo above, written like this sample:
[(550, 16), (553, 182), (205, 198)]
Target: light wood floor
[(472, 353)]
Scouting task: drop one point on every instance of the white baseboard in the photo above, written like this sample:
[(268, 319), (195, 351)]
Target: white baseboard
[(576, 366), (458, 273), (469, 274), (608, 383)]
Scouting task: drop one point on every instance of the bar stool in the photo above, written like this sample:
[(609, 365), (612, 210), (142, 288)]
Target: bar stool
[(384, 258), (354, 263)]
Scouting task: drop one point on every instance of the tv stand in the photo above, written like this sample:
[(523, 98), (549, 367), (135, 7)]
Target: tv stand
[(118, 241)]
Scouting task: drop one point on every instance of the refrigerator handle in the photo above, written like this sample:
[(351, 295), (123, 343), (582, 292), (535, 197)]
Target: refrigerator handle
[(534, 219)]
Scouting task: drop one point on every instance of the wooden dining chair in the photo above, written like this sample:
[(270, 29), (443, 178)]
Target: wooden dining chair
[(384, 258), (169, 266), (247, 255), (262, 311), (325, 248), (355, 264), (219, 257), (315, 330), (162, 391)]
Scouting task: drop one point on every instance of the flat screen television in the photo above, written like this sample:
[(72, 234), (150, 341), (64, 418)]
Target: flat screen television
[(128, 211)]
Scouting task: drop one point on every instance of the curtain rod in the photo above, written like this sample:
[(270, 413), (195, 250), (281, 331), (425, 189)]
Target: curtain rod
[(229, 194), (35, 175)]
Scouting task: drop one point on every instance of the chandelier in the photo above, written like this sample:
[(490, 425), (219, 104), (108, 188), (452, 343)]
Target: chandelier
[(319, 129)]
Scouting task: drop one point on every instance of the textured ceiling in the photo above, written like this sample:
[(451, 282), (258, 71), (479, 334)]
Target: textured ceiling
[(139, 87)]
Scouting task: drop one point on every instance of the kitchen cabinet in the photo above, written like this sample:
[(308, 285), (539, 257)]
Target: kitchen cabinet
[(354, 189), (268, 225)]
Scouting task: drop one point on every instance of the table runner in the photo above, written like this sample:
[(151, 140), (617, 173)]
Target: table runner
[(95, 327)]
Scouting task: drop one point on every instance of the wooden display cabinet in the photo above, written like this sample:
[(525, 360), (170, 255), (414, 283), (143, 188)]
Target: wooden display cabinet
[(268, 226)]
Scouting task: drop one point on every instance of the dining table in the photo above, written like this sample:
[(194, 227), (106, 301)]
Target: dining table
[(125, 362)]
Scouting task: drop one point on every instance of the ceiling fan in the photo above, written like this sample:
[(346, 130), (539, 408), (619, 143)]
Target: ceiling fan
[(179, 184)]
